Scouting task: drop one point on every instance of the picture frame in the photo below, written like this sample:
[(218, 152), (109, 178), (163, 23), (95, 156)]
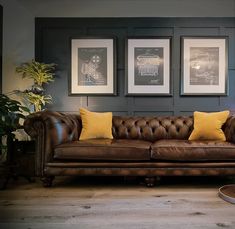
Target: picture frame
[(204, 66), (93, 66), (148, 66)]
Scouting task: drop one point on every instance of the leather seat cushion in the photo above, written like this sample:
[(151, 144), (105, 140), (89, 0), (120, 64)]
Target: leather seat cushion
[(184, 150), (104, 149)]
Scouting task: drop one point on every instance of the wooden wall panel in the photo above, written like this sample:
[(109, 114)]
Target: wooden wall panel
[(53, 42)]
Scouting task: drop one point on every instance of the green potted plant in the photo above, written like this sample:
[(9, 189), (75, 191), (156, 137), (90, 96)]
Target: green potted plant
[(11, 111), (41, 74)]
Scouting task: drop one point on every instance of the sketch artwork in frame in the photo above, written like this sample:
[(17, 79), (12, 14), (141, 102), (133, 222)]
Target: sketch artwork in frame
[(148, 66), (93, 67), (204, 66)]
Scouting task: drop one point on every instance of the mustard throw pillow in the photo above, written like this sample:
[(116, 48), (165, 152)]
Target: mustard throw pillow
[(95, 125), (207, 126)]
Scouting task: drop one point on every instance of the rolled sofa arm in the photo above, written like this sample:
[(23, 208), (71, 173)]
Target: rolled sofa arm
[(49, 129), (229, 129)]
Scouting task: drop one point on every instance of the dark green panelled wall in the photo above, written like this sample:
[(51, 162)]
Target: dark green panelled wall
[(53, 45)]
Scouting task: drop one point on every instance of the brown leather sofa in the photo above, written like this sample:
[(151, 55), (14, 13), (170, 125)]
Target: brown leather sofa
[(142, 146)]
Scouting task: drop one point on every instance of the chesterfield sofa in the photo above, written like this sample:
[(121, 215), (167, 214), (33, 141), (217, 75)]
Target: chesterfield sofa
[(141, 146)]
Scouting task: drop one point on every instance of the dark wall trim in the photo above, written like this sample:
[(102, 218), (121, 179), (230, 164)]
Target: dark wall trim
[(1, 37)]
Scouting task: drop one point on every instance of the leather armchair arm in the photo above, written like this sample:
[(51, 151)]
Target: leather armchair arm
[(49, 129), (229, 129)]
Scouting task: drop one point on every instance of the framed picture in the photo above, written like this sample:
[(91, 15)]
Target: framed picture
[(93, 66), (148, 66), (204, 65)]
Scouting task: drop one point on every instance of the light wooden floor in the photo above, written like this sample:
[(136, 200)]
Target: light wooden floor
[(107, 203)]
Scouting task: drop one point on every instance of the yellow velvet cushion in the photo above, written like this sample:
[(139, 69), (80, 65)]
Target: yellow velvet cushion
[(207, 126), (96, 125)]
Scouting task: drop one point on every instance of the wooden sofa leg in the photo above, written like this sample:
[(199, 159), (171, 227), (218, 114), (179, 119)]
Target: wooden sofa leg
[(150, 181), (47, 181)]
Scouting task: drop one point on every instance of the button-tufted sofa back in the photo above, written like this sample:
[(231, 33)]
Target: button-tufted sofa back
[(61, 127), (55, 128), (152, 128)]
